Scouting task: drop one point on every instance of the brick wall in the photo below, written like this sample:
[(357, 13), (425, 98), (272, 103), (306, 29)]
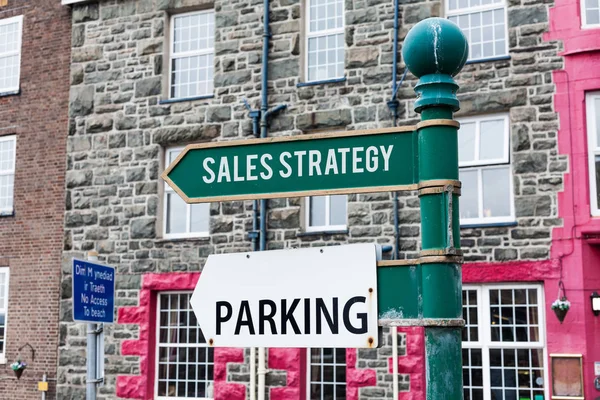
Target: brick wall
[(118, 132), (31, 241)]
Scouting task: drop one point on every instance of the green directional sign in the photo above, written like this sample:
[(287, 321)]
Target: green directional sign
[(306, 165)]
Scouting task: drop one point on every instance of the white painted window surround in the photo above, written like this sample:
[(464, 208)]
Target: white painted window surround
[(182, 220), (592, 101), (11, 30), (3, 311), (485, 170), (324, 40), (326, 213), (504, 343), (590, 13), (7, 173), (484, 23), (192, 54)]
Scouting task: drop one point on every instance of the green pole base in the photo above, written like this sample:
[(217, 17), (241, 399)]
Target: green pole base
[(443, 359)]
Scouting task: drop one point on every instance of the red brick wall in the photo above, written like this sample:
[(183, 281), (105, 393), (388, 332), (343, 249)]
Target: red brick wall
[(31, 241)]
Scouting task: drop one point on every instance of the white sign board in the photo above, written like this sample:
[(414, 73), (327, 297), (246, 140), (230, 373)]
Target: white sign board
[(597, 368), (315, 297)]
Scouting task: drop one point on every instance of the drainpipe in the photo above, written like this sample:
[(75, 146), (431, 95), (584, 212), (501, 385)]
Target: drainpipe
[(393, 106), (255, 115), (264, 107)]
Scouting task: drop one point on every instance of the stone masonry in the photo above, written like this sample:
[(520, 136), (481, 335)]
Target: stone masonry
[(119, 129)]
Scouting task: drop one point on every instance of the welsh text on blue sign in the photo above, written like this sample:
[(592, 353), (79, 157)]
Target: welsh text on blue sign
[(93, 292)]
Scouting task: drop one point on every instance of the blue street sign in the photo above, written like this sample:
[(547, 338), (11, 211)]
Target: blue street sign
[(93, 292)]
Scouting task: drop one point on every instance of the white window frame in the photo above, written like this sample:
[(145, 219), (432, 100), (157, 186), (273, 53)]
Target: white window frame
[(593, 149), (482, 8), (188, 209), (327, 227), (334, 382), (484, 332), (6, 272), (173, 56), (157, 346), (584, 23), (8, 172), (18, 52), (482, 165), (310, 35)]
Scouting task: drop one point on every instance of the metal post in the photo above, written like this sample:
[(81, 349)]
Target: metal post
[(44, 379), (435, 50), (90, 391)]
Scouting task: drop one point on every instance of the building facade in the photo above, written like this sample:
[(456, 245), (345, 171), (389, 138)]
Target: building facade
[(150, 76), (34, 98)]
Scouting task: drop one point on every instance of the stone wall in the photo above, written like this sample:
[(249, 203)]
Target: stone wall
[(119, 130)]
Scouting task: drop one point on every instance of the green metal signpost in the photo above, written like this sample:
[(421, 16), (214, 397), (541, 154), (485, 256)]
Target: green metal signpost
[(422, 292)]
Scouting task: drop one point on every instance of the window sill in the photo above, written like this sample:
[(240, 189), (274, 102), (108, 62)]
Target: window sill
[(10, 93), (323, 232), (184, 239), (587, 27), (7, 213), (489, 225), (491, 59), (170, 101), (323, 82)]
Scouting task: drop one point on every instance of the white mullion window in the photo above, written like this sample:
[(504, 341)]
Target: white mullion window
[(326, 213), (504, 354), (192, 52), (485, 170), (182, 220), (592, 101), (184, 362), (7, 173), (326, 374), (10, 53), (3, 312), (590, 13), (484, 24), (324, 40)]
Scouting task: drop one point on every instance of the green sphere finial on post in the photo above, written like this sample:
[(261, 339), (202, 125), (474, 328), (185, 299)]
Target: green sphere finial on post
[(435, 50)]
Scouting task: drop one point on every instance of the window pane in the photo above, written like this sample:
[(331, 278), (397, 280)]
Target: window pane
[(337, 209), (472, 374), (200, 217), (466, 142), (327, 373), (6, 192), (185, 367), (469, 207), (484, 30), (176, 214), (592, 16), (470, 331), (515, 370), (317, 211), (492, 141), (326, 57), (496, 192)]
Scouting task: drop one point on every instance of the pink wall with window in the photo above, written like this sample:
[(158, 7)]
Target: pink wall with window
[(293, 361)]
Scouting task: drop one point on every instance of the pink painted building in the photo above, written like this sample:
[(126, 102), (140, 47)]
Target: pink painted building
[(575, 245)]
